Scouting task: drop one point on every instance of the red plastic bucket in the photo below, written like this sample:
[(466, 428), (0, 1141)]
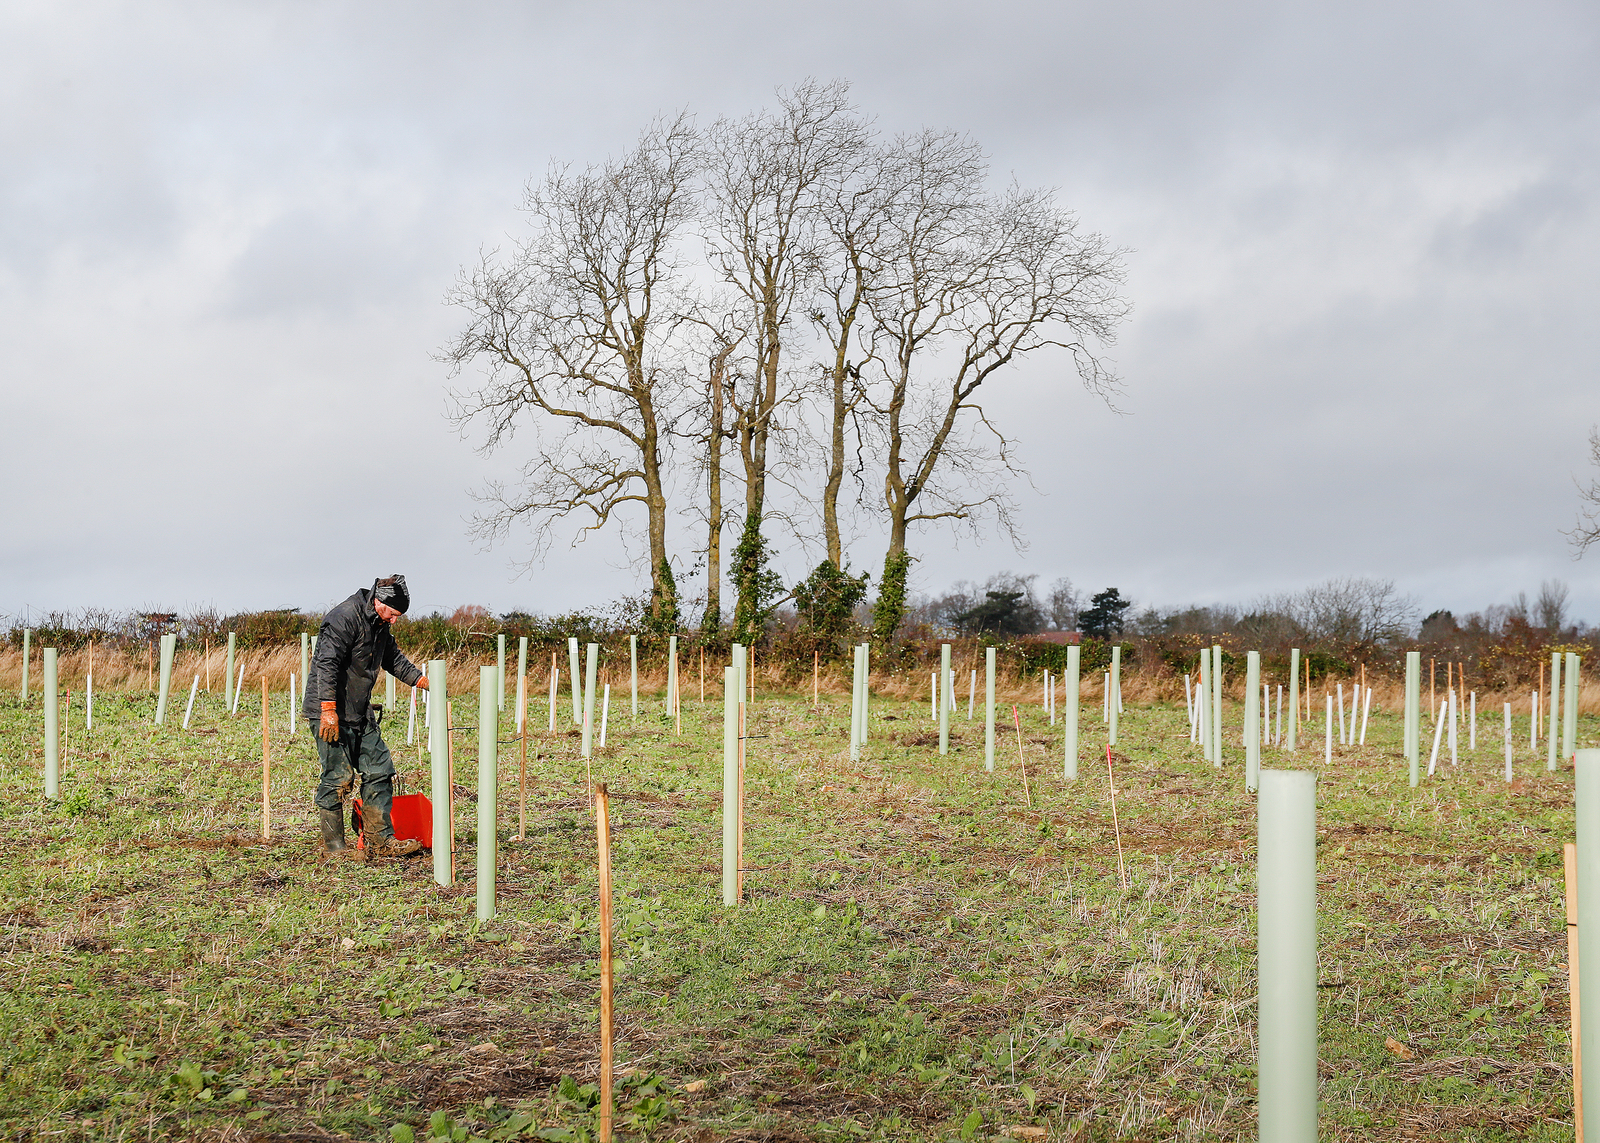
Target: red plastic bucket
[(412, 815)]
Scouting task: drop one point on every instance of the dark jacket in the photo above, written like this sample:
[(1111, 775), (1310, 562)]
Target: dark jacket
[(351, 647)]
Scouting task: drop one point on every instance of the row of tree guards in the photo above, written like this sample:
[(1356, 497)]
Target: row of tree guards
[(1286, 812)]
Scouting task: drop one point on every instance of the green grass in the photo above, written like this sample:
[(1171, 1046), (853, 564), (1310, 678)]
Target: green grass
[(920, 955)]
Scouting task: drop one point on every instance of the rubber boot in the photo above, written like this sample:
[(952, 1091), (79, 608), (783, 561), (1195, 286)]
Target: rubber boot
[(332, 822), (379, 837)]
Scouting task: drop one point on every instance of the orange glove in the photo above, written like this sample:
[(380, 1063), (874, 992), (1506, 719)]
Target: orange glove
[(329, 730)]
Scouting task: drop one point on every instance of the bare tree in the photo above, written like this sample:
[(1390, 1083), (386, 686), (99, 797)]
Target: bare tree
[(1587, 529), (768, 173), (1551, 606), (1353, 613), (974, 283), (576, 329), (1061, 605), (855, 217), (720, 366)]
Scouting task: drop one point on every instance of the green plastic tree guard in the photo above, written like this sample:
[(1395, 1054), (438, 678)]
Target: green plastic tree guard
[(522, 683), (500, 672), (1202, 699), (488, 772), (739, 660), (1587, 765), (988, 709), (227, 683), (866, 692), (27, 659), (672, 672), (1252, 721), (439, 756), (730, 785), (591, 667), (572, 674), (855, 705), (1070, 711), (1216, 705), (1291, 732), (633, 670), (1116, 692), (944, 698), (305, 660), (52, 727), (1286, 956), (169, 647), (1569, 711), (1552, 740), (1413, 727)]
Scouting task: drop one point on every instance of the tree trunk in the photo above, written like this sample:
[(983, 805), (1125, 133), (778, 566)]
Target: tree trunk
[(711, 620)]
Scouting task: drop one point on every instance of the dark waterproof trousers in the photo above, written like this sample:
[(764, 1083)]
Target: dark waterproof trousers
[(360, 750)]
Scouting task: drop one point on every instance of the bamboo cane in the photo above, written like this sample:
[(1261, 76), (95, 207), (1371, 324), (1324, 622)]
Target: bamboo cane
[(602, 815), (1111, 783), (1016, 720)]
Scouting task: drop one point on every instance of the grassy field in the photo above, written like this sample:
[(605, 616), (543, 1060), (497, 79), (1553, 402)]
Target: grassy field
[(921, 955)]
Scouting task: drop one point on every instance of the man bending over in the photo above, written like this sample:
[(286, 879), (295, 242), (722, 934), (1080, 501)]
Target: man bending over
[(354, 643)]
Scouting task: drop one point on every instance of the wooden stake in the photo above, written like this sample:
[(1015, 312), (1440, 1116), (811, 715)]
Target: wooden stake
[(602, 813), (1569, 855), (1122, 871), (266, 765), (1016, 720)]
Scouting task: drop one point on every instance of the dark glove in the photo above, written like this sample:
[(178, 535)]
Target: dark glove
[(329, 730)]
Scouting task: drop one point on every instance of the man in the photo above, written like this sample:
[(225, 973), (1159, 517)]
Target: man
[(355, 641)]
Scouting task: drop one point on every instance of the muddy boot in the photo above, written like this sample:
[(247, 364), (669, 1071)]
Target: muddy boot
[(332, 822), (379, 835)]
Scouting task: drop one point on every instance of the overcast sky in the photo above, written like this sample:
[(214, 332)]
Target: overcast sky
[(1363, 241)]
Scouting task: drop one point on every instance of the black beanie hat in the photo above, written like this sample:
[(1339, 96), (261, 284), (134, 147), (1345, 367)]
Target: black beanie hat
[(392, 592)]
